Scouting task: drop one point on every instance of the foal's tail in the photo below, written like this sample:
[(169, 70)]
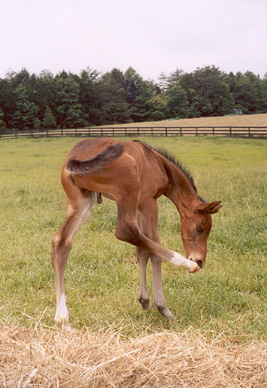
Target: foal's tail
[(83, 167)]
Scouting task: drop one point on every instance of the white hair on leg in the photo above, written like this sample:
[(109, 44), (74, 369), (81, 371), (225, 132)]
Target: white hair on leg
[(62, 314)]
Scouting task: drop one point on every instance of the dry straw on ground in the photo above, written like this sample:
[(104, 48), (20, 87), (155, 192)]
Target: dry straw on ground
[(51, 358), (257, 120)]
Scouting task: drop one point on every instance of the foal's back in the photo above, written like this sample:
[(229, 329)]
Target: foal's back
[(136, 158)]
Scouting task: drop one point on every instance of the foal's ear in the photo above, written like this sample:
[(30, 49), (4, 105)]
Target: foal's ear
[(211, 208)]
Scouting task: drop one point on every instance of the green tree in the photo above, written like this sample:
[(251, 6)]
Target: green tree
[(2, 122), (138, 93), (68, 107), (264, 92), (208, 92), (21, 78), (42, 93), (166, 82), (157, 108), (48, 119), (248, 92), (36, 123), (177, 103), (7, 101), (26, 111), (88, 96), (113, 105), (174, 78)]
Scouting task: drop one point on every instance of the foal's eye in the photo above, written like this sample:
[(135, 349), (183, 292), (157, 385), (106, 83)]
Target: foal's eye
[(199, 228)]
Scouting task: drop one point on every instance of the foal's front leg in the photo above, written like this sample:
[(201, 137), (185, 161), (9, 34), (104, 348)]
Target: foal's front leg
[(159, 299), (142, 258), (148, 222), (147, 238)]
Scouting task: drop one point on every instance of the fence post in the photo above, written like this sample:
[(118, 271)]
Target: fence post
[(166, 131), (249, 133), (213, 131), (230, 131), (196, 131), (181, 131)]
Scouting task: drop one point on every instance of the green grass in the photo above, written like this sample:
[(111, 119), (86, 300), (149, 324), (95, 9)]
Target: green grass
[(102, 277)]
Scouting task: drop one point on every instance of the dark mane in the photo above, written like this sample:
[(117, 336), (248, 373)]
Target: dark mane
[(173, 160)]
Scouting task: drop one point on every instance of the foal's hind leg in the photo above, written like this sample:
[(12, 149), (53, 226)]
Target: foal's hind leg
[(80, 203)]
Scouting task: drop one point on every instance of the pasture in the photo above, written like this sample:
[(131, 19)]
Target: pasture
[(227, 298), (227, 121)]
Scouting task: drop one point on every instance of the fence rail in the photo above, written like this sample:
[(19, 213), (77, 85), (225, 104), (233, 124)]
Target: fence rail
[(250, 132)]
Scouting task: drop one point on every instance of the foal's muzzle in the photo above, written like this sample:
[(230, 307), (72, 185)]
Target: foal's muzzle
[(200, 263)]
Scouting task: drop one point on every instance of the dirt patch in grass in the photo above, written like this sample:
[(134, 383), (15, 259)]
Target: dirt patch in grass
[(52, 358)]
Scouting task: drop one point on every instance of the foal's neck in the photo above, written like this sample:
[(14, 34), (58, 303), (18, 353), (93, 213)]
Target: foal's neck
[(180, 190)]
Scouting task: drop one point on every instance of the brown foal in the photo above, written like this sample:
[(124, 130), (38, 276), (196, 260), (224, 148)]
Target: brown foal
[(135, 176)]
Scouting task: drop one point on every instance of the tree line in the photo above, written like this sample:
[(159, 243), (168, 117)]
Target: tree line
[(74, 101)]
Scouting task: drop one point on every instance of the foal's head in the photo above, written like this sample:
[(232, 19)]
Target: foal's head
[(195, 229)]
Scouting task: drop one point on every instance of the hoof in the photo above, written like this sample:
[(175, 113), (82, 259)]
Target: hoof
[(66, 327), (195, 269), (63, 322), (145, 304), (171, 317), (165, 312)]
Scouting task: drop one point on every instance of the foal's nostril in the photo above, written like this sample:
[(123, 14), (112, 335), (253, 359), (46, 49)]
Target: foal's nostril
[(199, 262)]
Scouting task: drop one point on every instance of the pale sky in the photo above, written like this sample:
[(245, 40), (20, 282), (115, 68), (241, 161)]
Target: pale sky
[(152, 36)]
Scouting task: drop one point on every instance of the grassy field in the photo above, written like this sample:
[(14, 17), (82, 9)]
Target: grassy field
[(102, 277), (219, 338)]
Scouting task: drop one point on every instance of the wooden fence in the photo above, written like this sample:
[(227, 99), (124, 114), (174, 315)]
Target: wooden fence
[(249, 132)]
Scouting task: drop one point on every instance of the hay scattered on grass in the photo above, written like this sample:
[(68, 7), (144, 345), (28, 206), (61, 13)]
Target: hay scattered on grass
[(52, 358)]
